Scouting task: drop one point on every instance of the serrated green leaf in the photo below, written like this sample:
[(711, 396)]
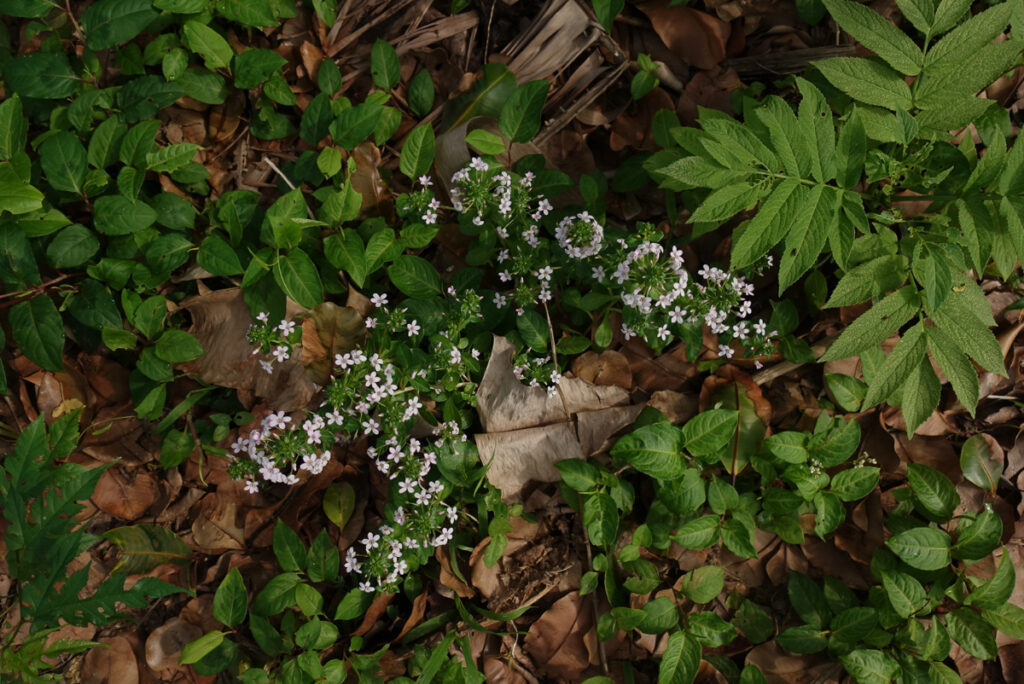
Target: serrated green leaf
[(955, 366), (957, 320), (771, 224), (818, 127), (898, 365), (867, 80), (878, 35), (145, 546), (921, 394), (850, 151), (876, 325), (808, 234)]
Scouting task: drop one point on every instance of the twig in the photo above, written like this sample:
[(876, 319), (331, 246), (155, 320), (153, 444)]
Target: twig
[(279, 172)]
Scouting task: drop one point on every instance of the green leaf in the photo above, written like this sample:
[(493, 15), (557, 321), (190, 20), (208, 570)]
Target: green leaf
[(485, 142), (981, 459), (955, 366), (288, 548), (920, 13), (520, 117), (144, 547), (933, 490), (654, 450), (339, 503), (353, 605), (38, 331), (345, 251), (255, 13), (107, 23), (848, 391), (739, 538), (421, 93), (855, 483), (770, 225), (276, 595), (699, 533), (659, 615), (850, 152), (924, 548), (875, 33), (175, 448), (867, 80), (198, 649), (355, 124), (171, 158), (533, 329), (216, 256), (920, 395), (143, 97), (957, 319), (297, 276), (17, 196), (208, 44), (13, 127), (869, 666), (817, 121), (972, 633), (230, 600), (116, 338), (384, 67), (905, 593), (898, 365), (579, 475), (1007, 618), (875, 326), (486, 98), (204, 86), (803, 639), (178, 346), (703, 584), (414, 276), (709, 432), (417, 152), (680, 661), (63, 159), (978, 538), (726, 202), (601, 518), (807, 235), (997, 589), (43, 75), (256, 66), (948, 13)]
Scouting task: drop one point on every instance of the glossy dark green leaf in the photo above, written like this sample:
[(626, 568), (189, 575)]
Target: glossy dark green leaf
[(296, 274), (417, 152), (414, 276), (520, 117), (981, 459), (230, 600), (107, 23), (43, 75), (178, 346), (288, 548), (384, 67), (654, 450), (38, 331), (924, 548), (217, 257)]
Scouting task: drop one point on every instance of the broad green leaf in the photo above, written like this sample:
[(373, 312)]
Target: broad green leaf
[(855, 483), (417, 152), (867, 80), (288, 548), (63, 159), (699, 533), (803, 639), (997, 589), (905, 593), (201, 647), (981, 459), (920, 13), (708, 432), (534, 330), (520, 117), (178, 346), (339, 503), (37, 329), (957, 320), (972, 633), (659, 616), (785, 134), (486, 98), (297, 276), (208, 44), (230, 600), (920, 395), (851, 626), (869, 666), (976, 539), (421, 93), (703, 584), (17, 196), (876, 325), (968, 38), (654, 450), (933, 490), (256, 66), (384, 67), (807, 236), (808, 600), (579, 475), (13, 127), (771, 224), (43, 75), (175, 448), (601, 518), (948, 13), (142, 97), (898, 365), (414, 276), (680, 661), (204, 85), (875, 33), (107, 23), (104, 143), (955, 366), (850, 151), (739, 538), (276, 595), (355, 124), (923, 548), (848, 391), (346, 252), (816, 121), (255, 13), (18, 266), (1007, 618), (216, 256), (485, 142)]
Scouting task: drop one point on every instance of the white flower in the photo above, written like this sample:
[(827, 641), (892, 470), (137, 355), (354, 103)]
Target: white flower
[(725, 350), (286, 327), (478, 164), (371, 426), (370, 323), (267, 366), (456, 355), (251, 487), (407, 486), (263, 317), (366, 587), (413, 328), (379, 299), (598, 273), (281, 353), (370, 542), (425, 181), (444, 537), (677, 315), (760, 327), (429, 217), (663, 333)]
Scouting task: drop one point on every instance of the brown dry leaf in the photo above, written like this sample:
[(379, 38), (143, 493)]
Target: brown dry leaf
[(126, 493), (367, 179), (498, 671), (696, 37), (115, 662), (329, 330), (782, 667), (419, 608), (374, 613), (164, 644), (527, 431), (220, 320), (215, 529), (607, 368), (556, 640), (449, 578)]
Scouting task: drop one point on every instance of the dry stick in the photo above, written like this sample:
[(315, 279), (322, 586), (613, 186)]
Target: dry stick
[(279, 172)]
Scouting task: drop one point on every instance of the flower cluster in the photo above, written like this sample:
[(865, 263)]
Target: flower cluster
[(381, 392), (537, 372), (273, 341)]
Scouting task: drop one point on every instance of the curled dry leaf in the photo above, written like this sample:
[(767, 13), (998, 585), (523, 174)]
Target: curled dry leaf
[(607, 368), (329, 330), (527, 431), (782, 667), (215, 529), (163, 646), (220, 321), (556, 640), (113, 662), (696, 37), (126, 493)]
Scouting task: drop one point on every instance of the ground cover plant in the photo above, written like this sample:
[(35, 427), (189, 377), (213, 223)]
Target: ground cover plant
[(422, 341)]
